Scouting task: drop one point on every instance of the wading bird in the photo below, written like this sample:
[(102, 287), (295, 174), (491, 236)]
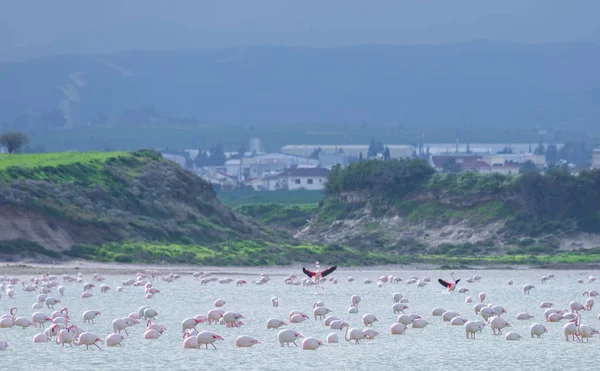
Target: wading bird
[(450, 285), (319, 274)]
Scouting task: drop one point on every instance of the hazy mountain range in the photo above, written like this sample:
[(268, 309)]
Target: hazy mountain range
[(467, 85)]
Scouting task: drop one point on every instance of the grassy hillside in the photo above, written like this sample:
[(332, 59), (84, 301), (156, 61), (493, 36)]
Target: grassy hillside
[(404, 206), (64, 200), (239, 198), (137, 207), (41, 160), (55, 167)]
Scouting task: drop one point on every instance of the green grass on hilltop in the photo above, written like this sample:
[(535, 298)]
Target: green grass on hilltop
[(37, 160), (85, 167)]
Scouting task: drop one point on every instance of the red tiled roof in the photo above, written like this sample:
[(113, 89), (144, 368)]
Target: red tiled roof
[(465, 162), (473, 163), (439, 161)]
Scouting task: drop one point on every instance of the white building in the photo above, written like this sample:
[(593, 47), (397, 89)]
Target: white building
[(261, 165), (519, 158), (180, 160), (254, 145), (216, 175), (267, 183), (351, 150), (482, 148), (328, 160), (304, 178), (596, 159)]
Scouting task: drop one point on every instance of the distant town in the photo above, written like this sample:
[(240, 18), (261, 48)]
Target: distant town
[(306, 166)]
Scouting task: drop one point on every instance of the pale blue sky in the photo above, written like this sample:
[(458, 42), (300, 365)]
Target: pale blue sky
[(41, 27)]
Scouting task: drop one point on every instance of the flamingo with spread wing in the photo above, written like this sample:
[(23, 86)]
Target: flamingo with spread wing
[(316, 276), (450, 285)]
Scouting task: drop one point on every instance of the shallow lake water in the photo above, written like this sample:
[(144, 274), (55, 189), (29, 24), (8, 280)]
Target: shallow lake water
[(439, 346)]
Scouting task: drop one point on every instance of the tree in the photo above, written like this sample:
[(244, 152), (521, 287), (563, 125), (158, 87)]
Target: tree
[(551, 154), (507, 150), (315, 153), (386, 154), (540, 150), (242, 150), (13, 141), (374, 148), (527, 167), (451, 166), (202, 158), (360, 157), (371, 151), (217, 155), (575, 153)]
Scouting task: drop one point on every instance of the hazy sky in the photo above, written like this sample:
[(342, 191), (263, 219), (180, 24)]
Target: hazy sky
[(40, 27)]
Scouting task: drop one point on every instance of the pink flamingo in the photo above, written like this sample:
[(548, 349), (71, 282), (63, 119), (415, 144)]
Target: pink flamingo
[(87, 339), (67, 335)]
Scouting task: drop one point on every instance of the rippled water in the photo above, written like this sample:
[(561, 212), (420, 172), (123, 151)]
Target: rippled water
[(438, 346)]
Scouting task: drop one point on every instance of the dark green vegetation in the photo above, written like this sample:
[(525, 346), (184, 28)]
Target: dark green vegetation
[(354, 93), (533, 203), (404, 207), (289, 217), (240, 253), (242, 197)]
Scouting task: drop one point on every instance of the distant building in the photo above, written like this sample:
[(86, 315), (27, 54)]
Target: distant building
[(463, 163), (596, 158), (301, 178), (269, 163), (216, 175), (304, 178), (477, 164), (481, 148), (254, 145), (180, 160), (329, 159), (501, 159), (350, 150)]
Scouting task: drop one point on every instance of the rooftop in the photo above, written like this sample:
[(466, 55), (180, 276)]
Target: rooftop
[(465, 161), (305, 171)]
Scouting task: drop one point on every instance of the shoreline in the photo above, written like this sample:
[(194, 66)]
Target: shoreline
[(32, 267)]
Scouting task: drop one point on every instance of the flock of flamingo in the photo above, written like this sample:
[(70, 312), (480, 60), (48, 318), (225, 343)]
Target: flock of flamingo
[(57, 327)]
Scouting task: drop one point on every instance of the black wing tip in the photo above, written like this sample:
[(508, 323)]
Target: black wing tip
[(328, 271), (307, 272), (442, 282)]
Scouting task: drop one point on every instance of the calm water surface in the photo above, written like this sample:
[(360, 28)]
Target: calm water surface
[(439, 346)]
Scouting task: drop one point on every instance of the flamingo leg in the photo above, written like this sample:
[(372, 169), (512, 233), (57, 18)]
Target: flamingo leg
[(97, 346), (125, 332), (213, 345)]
